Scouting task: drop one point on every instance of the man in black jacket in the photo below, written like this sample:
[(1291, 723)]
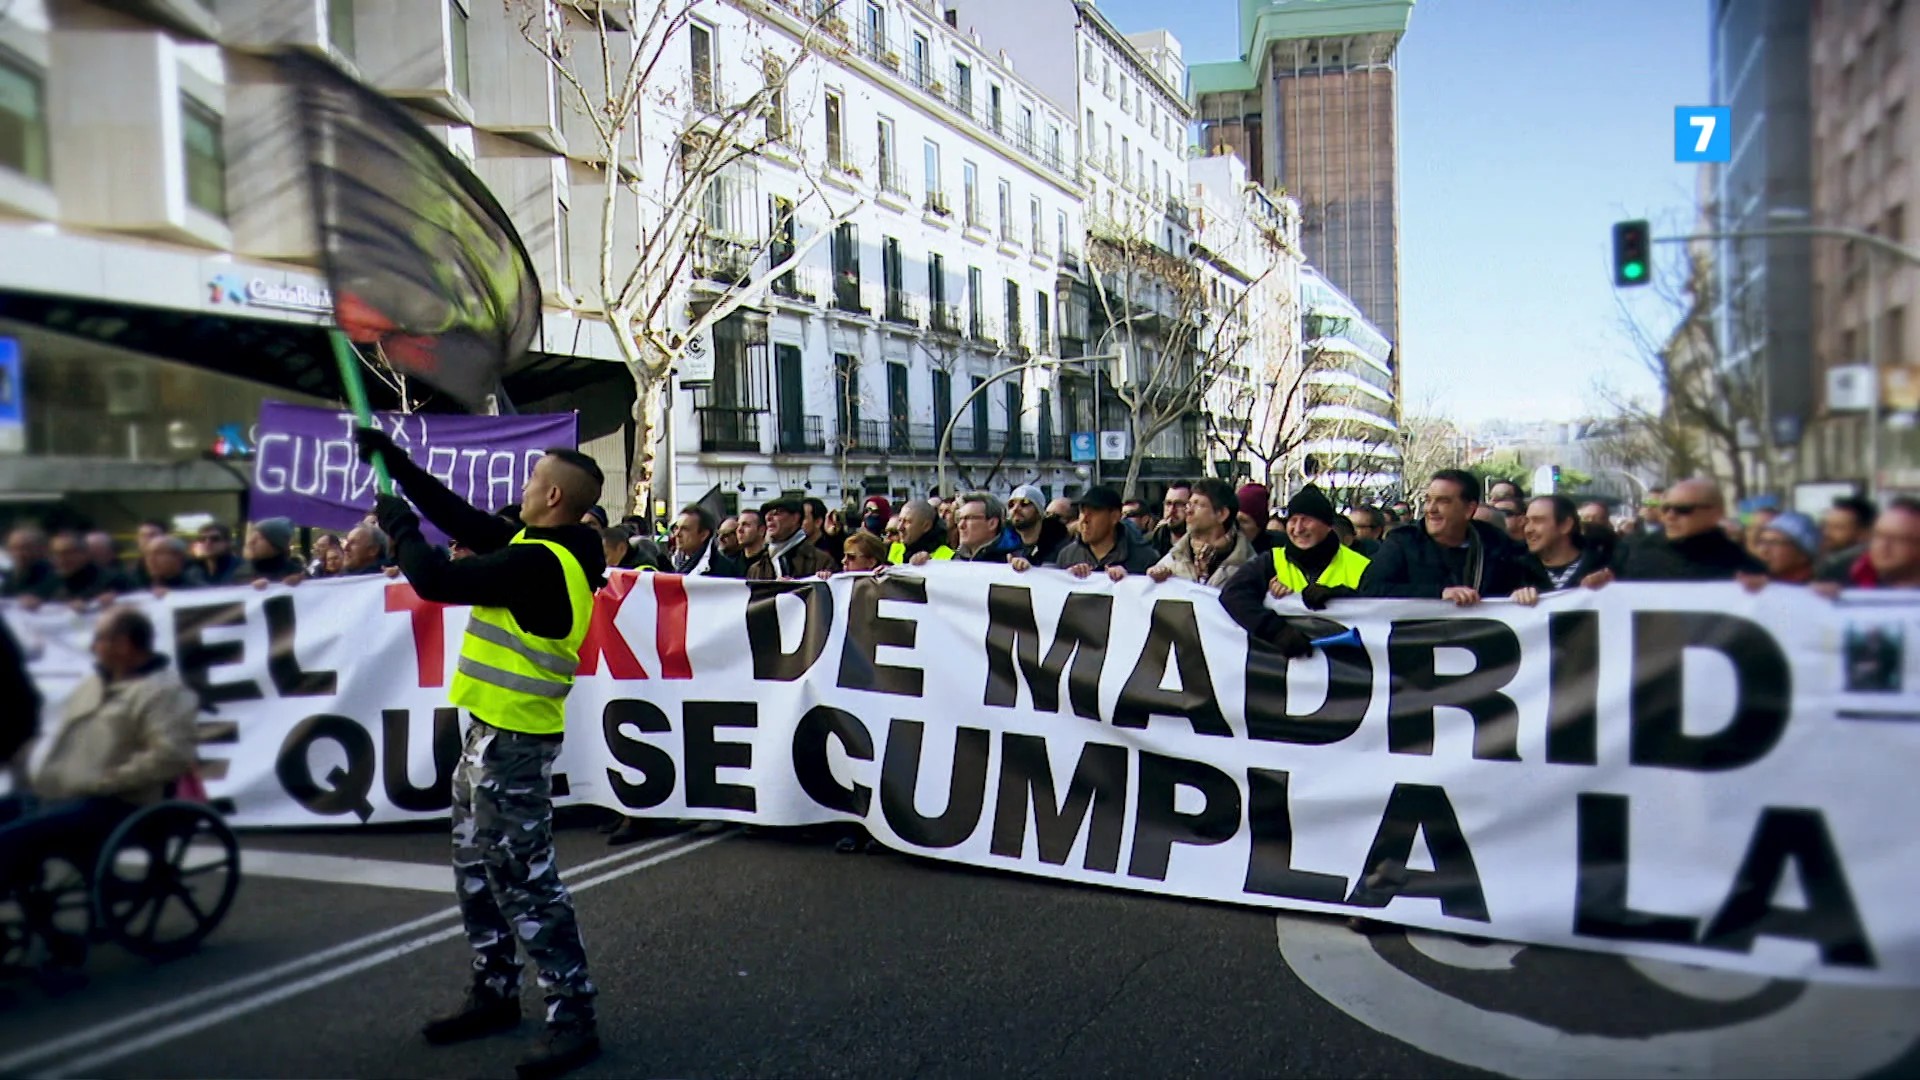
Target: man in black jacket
[(1454, 557), (1555, 537), (981, 531), (1041, 535), (1695, 547), (525, 582)]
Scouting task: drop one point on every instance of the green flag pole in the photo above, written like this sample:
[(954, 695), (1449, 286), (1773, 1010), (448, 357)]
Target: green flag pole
[(349, 361)]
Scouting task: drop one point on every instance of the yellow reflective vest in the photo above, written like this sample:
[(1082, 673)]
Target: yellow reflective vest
[(897, 554), (515, 680), (1345, 569)]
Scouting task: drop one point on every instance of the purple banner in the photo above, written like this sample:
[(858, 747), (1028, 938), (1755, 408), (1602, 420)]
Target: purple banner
[(305, 467)]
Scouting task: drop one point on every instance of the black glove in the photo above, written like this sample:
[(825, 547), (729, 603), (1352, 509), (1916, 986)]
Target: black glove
[(371, 441), (394, 515), (1316, 596), (1291, 643)]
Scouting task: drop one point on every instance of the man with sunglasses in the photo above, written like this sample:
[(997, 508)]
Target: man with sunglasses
[(1041, 535), (1694, 547)]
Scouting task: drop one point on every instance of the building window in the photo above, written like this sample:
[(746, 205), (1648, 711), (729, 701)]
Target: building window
[(1126, 162), (876, 29), (1013, 312), (1060, 227), (846, 385), (922, 60), (1123, 93), (963, 87), (457, 46), (976, 308), (970, 191), (836, 146), (937, 278), (883, 137), (1053, 145), (846, 268), (1006, 211), (1088, 65), (935, 200), (993, 107), (1106, 76), (340, 26), (701, 43), (23, 120), (1042, 334), (1087, 146), (206, 158)]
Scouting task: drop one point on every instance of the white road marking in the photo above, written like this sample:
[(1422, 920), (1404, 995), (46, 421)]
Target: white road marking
[(345, 870), (192, 1025), (92, 1036), (1828, 1030)]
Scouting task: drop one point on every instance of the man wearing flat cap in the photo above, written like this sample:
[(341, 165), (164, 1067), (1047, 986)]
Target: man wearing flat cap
[(1102, 544)]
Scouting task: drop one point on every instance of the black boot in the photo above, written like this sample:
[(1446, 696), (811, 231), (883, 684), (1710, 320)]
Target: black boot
[(564, 1047), (481, 1015)]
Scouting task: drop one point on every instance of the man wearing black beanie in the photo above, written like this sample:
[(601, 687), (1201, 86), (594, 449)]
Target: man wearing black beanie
[(1310, 561)]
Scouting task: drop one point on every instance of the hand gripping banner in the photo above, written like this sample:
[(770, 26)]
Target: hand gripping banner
[(1686, 772)]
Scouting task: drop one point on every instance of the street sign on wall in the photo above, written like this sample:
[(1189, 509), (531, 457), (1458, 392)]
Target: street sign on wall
[(1083, 446), (1113, 446)]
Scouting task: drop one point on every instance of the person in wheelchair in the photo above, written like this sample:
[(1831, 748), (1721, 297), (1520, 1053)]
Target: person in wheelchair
[(125, 736)]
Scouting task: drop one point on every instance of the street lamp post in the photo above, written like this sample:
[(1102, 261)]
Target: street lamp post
[(946, 434)]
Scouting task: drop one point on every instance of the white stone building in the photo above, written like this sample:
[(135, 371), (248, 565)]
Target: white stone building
[(156, 257), (839, 379)]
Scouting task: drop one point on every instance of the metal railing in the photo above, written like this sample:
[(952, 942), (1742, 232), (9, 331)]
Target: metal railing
[(945, 318), (804, 284), (724, 260), (983, 328), (729, 428), (936, 203), (846, 293), (809, 438), (902, 307), (892, 180)]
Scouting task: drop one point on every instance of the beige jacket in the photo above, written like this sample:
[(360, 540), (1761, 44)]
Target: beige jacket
[(1180, 560), (126, 739)]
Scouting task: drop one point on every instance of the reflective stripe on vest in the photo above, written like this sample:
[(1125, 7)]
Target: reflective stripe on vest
[(516, 680), (1345, 569), (897, 554)]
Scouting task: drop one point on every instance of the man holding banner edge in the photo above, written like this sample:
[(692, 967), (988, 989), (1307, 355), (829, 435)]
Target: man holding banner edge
[(531, 590)]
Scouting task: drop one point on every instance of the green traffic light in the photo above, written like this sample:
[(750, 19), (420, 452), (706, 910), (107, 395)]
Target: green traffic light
[(1633, 271)]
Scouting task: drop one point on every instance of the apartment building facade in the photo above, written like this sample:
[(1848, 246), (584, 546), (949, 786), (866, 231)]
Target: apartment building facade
[(1863, 59), (156, 256), (941, 198), (1312, 106)]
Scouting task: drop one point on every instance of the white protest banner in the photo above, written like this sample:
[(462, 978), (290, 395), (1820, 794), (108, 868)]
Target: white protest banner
[(1688, 772)]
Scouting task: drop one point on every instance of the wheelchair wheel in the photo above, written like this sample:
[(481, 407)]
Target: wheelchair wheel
[(50, 914), (165, 879)]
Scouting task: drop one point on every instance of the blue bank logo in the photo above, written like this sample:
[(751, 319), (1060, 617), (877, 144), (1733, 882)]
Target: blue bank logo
[(1702, 134)]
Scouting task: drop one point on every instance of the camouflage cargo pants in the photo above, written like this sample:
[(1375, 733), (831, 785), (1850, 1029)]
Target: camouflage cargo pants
[(505, 872)]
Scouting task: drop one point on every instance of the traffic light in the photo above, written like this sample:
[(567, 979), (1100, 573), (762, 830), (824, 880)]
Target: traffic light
[(1632, 264)]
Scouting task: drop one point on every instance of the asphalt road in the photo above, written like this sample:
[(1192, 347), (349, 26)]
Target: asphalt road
[(724, 954)]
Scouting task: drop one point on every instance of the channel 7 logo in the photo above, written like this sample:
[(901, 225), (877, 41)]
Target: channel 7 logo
[(1702, 134)]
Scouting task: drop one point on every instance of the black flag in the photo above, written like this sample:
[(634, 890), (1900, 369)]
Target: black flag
[(420, 256)]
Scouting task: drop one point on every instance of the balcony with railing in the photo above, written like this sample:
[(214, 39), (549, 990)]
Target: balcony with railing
[(803, 285), (723, 259), (944, 318), (874, 46), (893, 182), (1177, 212), (935, 204), (846, 294), (809, 437), (902, 308), (983, 328), (728, 428)]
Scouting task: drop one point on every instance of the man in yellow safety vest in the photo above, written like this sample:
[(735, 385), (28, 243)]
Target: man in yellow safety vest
[(531, 587), (1310, 561), (921, 531)]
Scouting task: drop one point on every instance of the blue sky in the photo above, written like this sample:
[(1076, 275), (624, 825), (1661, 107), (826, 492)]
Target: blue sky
[(1527, 128)]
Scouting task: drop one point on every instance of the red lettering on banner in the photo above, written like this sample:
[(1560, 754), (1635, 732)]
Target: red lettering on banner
[(670, 625), (429, 631), (603, 637)]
